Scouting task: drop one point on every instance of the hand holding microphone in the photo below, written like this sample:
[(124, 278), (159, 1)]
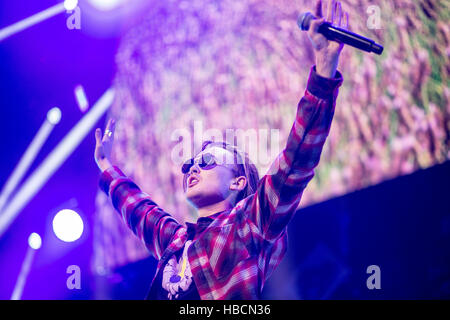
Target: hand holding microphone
[(328, 36), (327, 51), (334, 33)]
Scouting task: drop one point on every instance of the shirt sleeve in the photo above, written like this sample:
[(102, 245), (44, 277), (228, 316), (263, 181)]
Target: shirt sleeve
[(152, 225), (279, 192)]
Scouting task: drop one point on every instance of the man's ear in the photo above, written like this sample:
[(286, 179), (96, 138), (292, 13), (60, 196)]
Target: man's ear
[(239, 183)]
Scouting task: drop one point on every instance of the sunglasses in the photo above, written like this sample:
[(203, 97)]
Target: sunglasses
[(206, 162)]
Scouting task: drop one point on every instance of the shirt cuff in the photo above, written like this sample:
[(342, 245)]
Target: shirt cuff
[(108, 176), (322, 87)]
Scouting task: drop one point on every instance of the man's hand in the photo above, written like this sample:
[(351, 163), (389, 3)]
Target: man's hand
[(326, 51), (103, 145)]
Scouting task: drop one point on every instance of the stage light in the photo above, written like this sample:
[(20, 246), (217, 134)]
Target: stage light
[(54, 115), (68, 225), (105, 4), (31, 21), (34, 241), (81, 98), (29, 155), (24, 271), (54, 160), (70, 4)]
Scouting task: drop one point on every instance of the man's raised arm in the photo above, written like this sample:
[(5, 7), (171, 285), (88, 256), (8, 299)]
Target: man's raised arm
[(152, 225), (279, 191)]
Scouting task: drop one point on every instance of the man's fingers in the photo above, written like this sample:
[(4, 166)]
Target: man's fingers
[(330, 10), (98, 135), (338, 14), (109, 131), (317, 39), (346, 21), (113, 125), (314, 26), (319, 9), (110, 125), (334, 14)]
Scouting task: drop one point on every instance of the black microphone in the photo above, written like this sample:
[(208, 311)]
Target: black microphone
[(334, 33)]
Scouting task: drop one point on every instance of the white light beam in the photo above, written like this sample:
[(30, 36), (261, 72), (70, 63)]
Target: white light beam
[(31, 21), (29, 156), (23, 274), (81, 98), (54, 160)]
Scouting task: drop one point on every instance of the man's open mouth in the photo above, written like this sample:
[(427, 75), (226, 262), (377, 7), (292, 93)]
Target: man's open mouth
[(192, 181)]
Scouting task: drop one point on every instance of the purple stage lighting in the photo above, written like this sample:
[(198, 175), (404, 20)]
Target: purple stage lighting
[(106, 5), (81, 98), (70, 5), (34, 241), (68, 225), (54, 115)]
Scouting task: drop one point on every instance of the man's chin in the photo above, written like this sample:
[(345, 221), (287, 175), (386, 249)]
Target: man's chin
[(199, 198), (193, 196)]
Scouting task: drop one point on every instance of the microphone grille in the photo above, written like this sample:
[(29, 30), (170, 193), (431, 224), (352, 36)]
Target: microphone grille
[(304, 20)]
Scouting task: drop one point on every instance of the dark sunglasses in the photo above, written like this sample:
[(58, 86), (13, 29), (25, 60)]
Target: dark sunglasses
[(206, 162)]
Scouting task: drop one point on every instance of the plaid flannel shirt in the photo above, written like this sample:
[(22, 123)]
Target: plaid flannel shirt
[(234, 256)]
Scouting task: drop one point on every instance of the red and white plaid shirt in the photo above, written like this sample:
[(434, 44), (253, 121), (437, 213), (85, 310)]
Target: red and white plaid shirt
[(237, 252)]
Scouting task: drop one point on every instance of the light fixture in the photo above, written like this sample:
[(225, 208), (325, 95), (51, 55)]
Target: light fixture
[(68, 225), (34, 241)]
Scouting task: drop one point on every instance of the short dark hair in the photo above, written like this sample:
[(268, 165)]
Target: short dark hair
[(244, 166)]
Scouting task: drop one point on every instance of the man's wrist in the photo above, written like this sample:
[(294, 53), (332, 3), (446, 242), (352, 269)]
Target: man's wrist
[(108, 176), (326, 67), (104, 164), (323, 87), (326, 71)]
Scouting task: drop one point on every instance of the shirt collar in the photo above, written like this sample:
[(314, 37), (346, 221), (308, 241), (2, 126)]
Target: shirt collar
[(202, 224)]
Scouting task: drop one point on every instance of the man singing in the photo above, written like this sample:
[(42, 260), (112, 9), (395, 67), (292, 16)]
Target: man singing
[(240, 235)]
